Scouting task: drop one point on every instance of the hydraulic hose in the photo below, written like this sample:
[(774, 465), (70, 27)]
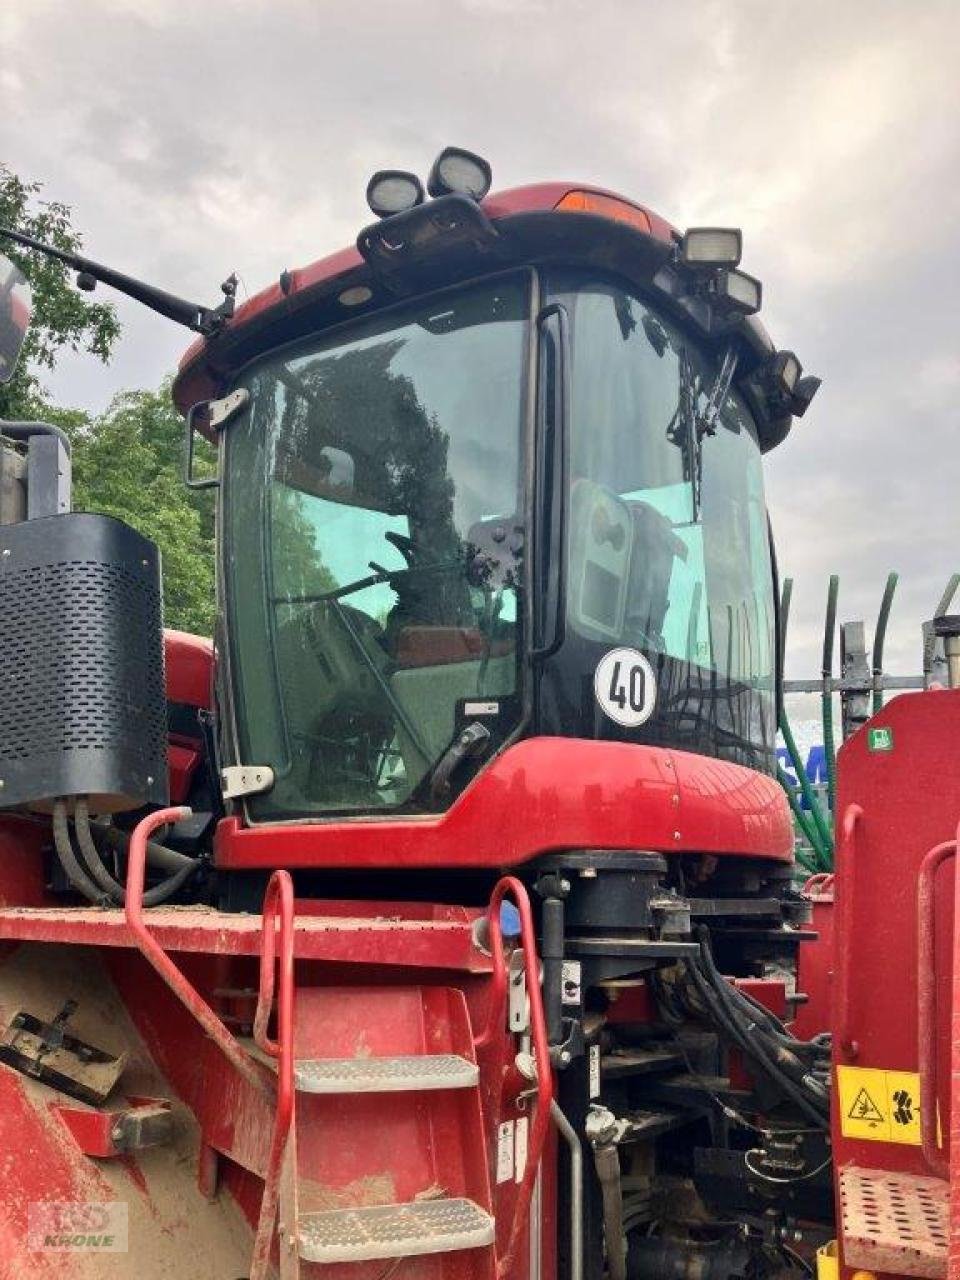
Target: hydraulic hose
[(825, 844), (806, 826), (818, 1044), (826, 696), (810, 831), (112, 888), (69, 861), (606, 1161), (786, 596), (776, 1060), (158, 855), (879, 636), (929, 639), (753, 1047), (720, 1000)]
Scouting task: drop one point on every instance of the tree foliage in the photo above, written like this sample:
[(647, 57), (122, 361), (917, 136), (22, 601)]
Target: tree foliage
[(127, 463), (62, 316)]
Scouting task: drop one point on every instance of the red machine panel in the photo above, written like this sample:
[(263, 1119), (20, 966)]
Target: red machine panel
[(188, 660), (544, 794), (898, 799), (815, 961), (188, 663)]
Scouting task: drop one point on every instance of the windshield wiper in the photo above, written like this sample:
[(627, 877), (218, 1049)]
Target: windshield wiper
[(681, 429), (370, 580), (706, 422), (694, 425)]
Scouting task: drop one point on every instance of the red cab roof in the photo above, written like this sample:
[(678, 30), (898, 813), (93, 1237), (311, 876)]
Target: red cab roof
[(198, 372)]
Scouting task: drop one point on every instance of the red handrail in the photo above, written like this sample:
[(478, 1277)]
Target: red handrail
[(821, 882), (541, 1048), (181, 987), (279, 897), (927, 1003), (846, 873)]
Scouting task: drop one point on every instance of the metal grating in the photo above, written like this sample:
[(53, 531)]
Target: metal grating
[(385, 1075), (82, 700), (894, 1222), (393, 1231)]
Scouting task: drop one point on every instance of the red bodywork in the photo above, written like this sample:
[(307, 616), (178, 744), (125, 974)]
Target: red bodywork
[(546, 794), (197, 380), (894, 806), (522, 805), (188, 664), (189, 668), (371, 978), (815, 961), (539, 796)]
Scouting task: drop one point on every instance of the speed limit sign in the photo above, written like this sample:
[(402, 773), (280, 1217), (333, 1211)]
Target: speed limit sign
[(624, 686)]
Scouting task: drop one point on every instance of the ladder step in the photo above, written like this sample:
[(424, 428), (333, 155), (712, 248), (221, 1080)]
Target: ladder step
[(894, 1222), (385, 1075), (393, 1231)]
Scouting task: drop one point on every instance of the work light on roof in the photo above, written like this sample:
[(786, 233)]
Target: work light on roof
[(785, 370), (393, 191), (712, 247), (459, 172), (741, 292)]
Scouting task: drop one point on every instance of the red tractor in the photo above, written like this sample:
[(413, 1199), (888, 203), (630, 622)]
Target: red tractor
[(441, 917)]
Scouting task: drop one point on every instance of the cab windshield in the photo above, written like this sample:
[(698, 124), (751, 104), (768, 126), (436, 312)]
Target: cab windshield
[(669, 541), (373, 515)]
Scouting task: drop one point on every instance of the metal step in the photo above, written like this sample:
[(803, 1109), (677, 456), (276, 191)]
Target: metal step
[(894, 1222), (385, 1075), (393, 1231)]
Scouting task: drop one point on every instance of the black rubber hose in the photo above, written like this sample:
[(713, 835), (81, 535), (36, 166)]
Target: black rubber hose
[(158, 855), (69, 861), (743, 1005), (814, 1045), (751, 1044), (752, 1039), (91, 854)]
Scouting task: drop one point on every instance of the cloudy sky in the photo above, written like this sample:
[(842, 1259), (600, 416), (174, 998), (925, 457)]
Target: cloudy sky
[(196, 138)]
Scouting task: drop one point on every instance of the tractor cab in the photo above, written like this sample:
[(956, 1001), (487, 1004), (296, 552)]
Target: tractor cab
[(496, 623), (497, 475)]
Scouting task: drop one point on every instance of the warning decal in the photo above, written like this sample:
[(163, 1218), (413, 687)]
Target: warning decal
[(880, 1106), (864, 1108)]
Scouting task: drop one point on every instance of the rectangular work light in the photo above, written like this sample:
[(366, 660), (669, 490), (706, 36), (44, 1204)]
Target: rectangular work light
[(740, 291), (712, 247)]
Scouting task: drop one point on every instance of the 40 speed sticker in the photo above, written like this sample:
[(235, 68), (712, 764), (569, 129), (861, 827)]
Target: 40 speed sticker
[(625, 687)]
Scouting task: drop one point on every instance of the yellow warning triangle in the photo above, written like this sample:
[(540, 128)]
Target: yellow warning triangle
[(864, 1108)]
